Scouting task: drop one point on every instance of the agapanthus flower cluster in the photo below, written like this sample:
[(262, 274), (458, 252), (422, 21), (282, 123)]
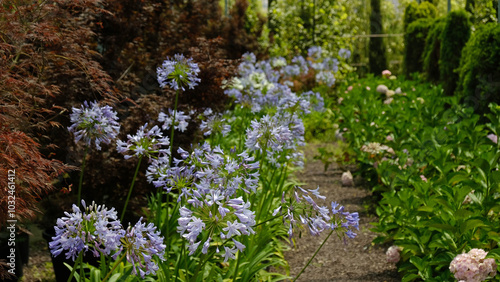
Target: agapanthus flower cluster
[(97, 228), (212, 212), (325, 77), (144, 142), (279, 137), (93, 122), (315, 52), (266, 83), (214, 122), (140, 243), (344, 53), (302, 208), (178, 72), (473, 266), (181, 120)]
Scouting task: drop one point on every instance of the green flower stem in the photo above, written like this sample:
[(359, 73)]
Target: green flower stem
[(169, 164), (298, 275), (81, 175), (77, 263), (267, 220), (131, 187), (114, 266)]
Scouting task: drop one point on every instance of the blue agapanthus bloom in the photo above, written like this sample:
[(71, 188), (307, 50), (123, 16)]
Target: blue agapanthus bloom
[(95, 228), (181, 120), (326, 77), (211, 213), (94, 122), (315, 52), (178, 72), (144, 143), (303, 209), (344, 53), (140, 243)]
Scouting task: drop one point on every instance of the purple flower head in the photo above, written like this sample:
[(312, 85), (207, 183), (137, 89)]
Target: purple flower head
[(95, 228), (178, 73), (325, 77), (140, 243), (214, 122), (279, 136), (180, 123), (314, 52), (210, 206), (344, 53), (93, 122), (315, 217), (144, 143)]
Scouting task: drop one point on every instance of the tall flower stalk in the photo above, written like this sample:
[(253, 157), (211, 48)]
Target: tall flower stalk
[(93, 124), (177, 72), (145, 143)]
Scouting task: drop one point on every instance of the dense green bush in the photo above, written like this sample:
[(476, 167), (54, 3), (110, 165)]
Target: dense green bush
[(479, 70), (416, 11), (430, 57), (415, 37), (456, 33)]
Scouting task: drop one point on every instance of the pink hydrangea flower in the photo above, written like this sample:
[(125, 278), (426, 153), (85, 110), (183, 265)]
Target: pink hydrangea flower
[(386, 73), (473, 266)]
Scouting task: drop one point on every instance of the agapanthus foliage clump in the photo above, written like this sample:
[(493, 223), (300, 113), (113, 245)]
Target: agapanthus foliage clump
[(95, 123), (473, 266)]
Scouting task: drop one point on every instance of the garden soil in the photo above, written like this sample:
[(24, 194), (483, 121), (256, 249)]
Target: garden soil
[(355, 260)]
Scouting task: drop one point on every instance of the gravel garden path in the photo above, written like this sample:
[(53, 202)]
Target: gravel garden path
[(359, 259)]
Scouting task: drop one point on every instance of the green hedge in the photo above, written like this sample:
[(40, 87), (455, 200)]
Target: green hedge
[(479, 72), (415, 36), (456, 33), (416, 11), (430, 57)]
